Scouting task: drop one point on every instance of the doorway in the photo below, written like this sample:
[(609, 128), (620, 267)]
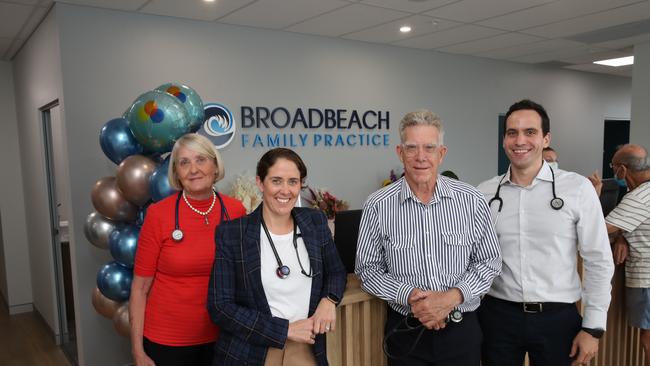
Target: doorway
[(53, 136), (615, 134)]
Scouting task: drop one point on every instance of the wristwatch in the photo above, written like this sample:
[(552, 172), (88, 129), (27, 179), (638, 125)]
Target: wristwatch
[(333, 298), (594, 332)]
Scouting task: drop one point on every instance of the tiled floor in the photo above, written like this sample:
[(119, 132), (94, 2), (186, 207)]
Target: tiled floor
[(25, 341)]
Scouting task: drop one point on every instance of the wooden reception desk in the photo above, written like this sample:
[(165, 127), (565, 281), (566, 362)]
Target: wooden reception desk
[(359, 333)]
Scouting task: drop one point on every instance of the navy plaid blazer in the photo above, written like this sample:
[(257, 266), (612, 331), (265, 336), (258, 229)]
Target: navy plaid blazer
[(236, 299)]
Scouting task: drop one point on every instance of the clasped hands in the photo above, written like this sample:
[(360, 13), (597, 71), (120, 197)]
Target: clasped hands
[(323, 320), (432, 308)]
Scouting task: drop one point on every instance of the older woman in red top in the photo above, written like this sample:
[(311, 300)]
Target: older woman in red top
[(170, 324)]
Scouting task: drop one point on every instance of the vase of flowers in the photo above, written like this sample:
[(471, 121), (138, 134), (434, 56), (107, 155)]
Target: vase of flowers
[(392, 178), (326, 202)]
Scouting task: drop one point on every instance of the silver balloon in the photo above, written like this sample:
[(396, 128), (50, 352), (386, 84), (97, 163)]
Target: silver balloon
[(98, 229), (109, 201), (133, 178), (121, 320), (103, 305)]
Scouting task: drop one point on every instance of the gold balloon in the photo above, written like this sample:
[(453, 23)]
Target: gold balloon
[(133, 178), (103, 305), (109, 201), (121, 320)]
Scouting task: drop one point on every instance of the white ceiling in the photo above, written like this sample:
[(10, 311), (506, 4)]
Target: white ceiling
[(556, 33)]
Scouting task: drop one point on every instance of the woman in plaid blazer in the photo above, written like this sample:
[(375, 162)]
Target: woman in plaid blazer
[(277, 276)]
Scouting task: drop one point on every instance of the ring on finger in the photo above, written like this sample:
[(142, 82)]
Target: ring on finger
[(327, 328)]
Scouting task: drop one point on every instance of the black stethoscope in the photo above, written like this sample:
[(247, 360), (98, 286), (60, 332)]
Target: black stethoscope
[(556, 202), (283, 270), (177, 234), (405, 326)]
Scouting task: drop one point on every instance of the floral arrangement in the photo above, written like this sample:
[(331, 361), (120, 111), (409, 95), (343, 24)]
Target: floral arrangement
[(391, 179), (327, 202), (245, 190)]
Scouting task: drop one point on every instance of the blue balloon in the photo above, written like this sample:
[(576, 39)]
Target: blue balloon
[(123, 243), (157, 119), (114, 281), (139, 220), (117, 140), (159, 186), (190, 99)]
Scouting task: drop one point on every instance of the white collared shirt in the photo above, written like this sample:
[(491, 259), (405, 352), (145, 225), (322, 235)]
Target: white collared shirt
[(539, 244)]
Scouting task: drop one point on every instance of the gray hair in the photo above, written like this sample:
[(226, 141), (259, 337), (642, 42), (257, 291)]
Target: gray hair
[(199, 144), (421, 117), (634, 162)]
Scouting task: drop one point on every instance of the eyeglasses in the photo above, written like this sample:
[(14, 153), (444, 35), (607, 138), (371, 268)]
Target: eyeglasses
[(614, 165), (412, 149), (200, 161)]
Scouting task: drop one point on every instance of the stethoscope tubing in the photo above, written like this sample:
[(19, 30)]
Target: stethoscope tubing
[(556, 202), (177, 234)]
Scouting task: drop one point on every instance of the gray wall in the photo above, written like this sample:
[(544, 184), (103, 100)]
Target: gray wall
[(640, 126), (109, 57), (37, 76), (15, 279)]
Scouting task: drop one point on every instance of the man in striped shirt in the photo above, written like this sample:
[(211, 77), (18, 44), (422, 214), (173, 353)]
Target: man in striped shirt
[(628, 226), (427, 246)]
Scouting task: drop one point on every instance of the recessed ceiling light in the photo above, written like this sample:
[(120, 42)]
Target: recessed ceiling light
[(209, 1), (405, 29), (616, 62)]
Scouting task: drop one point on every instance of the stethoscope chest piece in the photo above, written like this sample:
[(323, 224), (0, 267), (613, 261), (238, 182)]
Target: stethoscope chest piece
[(283, 272), (177, 235), (557, 203)]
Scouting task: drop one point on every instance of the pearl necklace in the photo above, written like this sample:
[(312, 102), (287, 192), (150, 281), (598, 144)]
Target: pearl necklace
[(202, 213)]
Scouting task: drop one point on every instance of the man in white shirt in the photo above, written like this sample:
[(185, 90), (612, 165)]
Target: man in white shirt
[(628, 226), (543, 218)]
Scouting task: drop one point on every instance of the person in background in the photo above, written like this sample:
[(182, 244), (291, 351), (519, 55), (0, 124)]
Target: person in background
[(167, 309), (277, 276), (544, 217), (628, 226), (426, 245), (550, 156)]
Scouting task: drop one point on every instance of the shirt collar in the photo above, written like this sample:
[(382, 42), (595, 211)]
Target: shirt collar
[(543, 174), (442, 190)]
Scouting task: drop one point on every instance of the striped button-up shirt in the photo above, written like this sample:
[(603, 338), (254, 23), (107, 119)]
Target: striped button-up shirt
[(448, 242), (632, 215)]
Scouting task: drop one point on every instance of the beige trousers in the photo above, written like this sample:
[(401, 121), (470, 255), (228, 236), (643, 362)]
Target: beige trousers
[(293, 354)]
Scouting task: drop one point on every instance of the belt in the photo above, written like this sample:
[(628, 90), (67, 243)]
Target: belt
[(532, 307)]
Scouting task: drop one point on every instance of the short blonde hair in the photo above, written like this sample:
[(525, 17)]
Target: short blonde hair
[(199, 144), (421, 117)]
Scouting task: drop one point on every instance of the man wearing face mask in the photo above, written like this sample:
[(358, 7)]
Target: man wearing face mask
[(628, 226)]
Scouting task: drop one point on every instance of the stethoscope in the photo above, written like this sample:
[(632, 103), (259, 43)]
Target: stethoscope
[(556, 202), (405, 326), (283, 270), (177, 234)]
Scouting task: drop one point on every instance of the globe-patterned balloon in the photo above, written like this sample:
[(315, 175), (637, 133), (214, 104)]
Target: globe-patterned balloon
[(157, 119), (190, 99), (114, 281)]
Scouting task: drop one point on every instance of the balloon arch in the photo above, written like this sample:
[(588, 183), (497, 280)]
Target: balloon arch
[(136, 142)]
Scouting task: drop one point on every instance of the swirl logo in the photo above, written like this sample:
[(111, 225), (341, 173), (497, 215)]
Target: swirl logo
[(219, 125)]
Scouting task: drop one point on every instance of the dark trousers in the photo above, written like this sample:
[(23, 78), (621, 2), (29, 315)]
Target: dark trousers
[(458, 344), (509, 333), (162, 355)]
